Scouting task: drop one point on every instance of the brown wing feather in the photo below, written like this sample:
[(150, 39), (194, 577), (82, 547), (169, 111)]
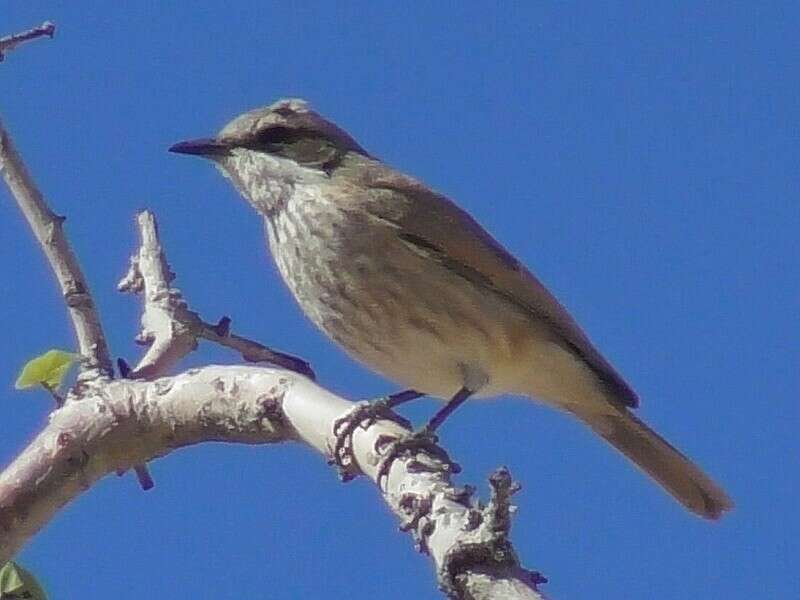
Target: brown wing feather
[(458, 241)]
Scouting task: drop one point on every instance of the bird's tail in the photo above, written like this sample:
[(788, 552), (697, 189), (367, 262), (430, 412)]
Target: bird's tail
[(660, 460)]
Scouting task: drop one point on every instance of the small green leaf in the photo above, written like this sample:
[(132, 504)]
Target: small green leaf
[(47, 370), (16, 582)]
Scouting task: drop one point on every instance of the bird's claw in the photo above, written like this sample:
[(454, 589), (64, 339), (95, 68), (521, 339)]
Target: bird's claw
[(423, 440), (363, 414)]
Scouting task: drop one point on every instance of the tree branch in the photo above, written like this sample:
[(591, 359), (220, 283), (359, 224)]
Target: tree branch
[(169, 327), (10, 42), (124, 422), (49, 231)]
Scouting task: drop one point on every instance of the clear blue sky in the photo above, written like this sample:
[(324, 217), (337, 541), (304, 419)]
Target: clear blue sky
[(642, 160)]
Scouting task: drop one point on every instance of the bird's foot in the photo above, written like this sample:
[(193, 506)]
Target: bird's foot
[(363, 414), (422, 447)]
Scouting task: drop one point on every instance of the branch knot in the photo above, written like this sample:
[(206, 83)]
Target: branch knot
[(485, 543)]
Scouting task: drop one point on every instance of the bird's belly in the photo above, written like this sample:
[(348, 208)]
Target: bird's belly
[(399, 313)]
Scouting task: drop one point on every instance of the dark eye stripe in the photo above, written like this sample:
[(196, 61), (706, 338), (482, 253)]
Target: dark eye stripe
[(278, 135), (270, 139)]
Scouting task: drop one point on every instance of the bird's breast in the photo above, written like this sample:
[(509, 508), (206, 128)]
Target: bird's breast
[(390, 307)]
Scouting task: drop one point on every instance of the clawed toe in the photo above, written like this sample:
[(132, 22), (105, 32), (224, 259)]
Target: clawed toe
[(363, 414), (422, 442)]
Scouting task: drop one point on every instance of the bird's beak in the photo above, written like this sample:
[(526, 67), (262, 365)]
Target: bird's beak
[(208, 147)]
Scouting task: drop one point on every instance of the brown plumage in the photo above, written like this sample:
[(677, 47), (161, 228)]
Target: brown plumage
[(413, 287)]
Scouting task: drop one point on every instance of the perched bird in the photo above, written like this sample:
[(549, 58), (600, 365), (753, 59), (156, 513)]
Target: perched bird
[(413, 287)]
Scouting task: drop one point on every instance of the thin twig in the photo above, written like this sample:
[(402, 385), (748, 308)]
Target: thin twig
[(9, 42), (252, 351), (49, 231)]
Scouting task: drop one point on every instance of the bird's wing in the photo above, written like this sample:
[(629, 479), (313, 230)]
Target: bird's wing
[(447, 234)]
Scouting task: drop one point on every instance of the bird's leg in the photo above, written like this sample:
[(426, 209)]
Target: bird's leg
[(399, 398), (425, 439), (364, 414), (448, 409)]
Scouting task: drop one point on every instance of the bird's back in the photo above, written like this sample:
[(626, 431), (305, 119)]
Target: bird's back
[(431, 224)]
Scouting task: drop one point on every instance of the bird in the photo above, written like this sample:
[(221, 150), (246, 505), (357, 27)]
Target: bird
[(413, 287)]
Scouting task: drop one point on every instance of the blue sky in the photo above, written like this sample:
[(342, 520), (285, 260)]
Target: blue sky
[(641, 159)]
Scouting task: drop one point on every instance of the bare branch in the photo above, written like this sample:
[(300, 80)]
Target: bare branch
[(121, 423), (250, 350), (169, 327), (124, 422), (168, 338), (48, 229), (10, 42)]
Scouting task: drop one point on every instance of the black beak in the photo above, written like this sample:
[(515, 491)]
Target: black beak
[(203, 147)]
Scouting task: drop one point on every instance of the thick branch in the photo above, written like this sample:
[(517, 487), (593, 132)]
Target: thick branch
[(124, 422), (48, 229)]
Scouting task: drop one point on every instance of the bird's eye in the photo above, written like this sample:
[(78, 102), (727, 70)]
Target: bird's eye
[(276, 135)]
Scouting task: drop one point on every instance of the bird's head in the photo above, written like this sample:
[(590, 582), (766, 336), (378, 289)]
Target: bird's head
[(269, 149)]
